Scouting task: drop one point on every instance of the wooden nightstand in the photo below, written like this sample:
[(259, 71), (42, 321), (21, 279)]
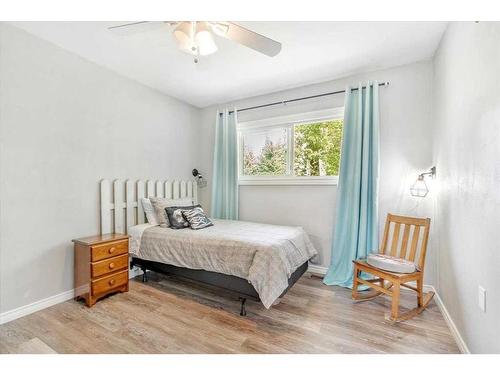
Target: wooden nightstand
[(101, 266)]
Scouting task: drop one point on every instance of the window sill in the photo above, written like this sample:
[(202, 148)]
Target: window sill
[(297, 181)]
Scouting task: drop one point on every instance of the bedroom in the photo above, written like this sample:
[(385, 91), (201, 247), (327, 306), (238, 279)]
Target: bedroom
[(213, 200)]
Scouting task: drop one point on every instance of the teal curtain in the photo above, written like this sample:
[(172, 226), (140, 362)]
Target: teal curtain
[(225, 167), (356, 222)]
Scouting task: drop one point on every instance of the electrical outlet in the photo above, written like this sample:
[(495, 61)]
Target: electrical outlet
[(482, 298)]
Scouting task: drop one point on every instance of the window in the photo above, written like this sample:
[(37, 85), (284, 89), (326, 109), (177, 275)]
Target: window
[(265, 152), (298, 149)]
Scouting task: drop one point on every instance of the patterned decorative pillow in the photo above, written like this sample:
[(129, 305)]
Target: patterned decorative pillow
[(159, 205), (197, 218), (175, 217)]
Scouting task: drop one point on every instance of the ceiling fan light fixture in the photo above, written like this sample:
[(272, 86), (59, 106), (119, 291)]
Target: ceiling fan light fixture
[(204, 40), (197, 37), (183, 34)]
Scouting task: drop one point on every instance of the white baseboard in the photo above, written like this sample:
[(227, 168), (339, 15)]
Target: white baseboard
[(136, 271), (317, 270), (451, 325), (19, 312), (35, 306)]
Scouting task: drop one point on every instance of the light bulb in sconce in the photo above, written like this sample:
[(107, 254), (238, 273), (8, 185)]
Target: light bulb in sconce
[(419, 188), (200, 181)]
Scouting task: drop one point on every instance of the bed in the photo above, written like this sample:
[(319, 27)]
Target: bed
[(258, 261), (253, 260)]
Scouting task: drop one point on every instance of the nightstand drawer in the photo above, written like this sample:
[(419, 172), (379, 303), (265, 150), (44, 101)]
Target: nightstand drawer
[(109, 250), (109, 265), (104, 284)]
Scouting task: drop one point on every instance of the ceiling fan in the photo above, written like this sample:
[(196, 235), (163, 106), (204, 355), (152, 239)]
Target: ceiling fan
[(196, 37)]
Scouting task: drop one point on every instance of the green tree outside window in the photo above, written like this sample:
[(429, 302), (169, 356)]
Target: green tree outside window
[(316, 152)]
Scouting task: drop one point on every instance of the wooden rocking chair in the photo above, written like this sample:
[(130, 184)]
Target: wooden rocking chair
[(398, 248)]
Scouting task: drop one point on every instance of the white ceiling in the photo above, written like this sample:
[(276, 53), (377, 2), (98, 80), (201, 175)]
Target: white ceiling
[(312, 52)]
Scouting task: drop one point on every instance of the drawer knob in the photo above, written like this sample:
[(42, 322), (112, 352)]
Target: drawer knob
[(111, 266), (112, 282), (111, 250)]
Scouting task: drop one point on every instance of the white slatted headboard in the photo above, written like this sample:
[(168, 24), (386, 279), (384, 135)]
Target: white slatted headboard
[(120, 207)]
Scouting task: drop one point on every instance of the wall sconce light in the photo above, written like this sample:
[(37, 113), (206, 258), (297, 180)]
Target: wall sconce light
[(419, 188), (201, 182)]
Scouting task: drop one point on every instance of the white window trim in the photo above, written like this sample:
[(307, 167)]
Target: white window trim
[(281, 121)]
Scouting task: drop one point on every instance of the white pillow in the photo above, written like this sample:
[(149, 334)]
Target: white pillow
[(149, 211)]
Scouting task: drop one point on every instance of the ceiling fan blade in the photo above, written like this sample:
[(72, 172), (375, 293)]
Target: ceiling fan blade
[(136, 27), (251, 39)]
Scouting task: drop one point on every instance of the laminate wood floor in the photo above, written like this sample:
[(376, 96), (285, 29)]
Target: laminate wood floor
[(174, 315)]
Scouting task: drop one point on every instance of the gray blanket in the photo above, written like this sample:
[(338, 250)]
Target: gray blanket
[(265, 255)]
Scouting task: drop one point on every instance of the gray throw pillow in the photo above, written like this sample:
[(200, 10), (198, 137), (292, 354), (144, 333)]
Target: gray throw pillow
[(175, 217), (197, 218)]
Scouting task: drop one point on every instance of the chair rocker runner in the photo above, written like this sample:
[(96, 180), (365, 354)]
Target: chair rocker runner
[(415, 233)]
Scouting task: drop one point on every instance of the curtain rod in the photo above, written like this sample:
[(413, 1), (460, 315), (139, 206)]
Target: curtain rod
[(299, 99)]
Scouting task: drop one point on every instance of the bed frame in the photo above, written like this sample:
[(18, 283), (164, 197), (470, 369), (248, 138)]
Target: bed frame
[(120, 210), (236, 285)]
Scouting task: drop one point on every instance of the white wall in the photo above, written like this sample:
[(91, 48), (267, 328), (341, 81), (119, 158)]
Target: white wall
[(406, 150), (65, 123), (467, 153)]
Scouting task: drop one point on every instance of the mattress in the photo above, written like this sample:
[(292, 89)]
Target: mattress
[(265, 255)]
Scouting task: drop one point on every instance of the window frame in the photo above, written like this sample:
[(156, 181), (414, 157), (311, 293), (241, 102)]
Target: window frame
[(288, 123)]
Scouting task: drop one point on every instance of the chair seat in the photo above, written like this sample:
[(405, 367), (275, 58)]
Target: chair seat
[(364, 266), (391, 263)]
